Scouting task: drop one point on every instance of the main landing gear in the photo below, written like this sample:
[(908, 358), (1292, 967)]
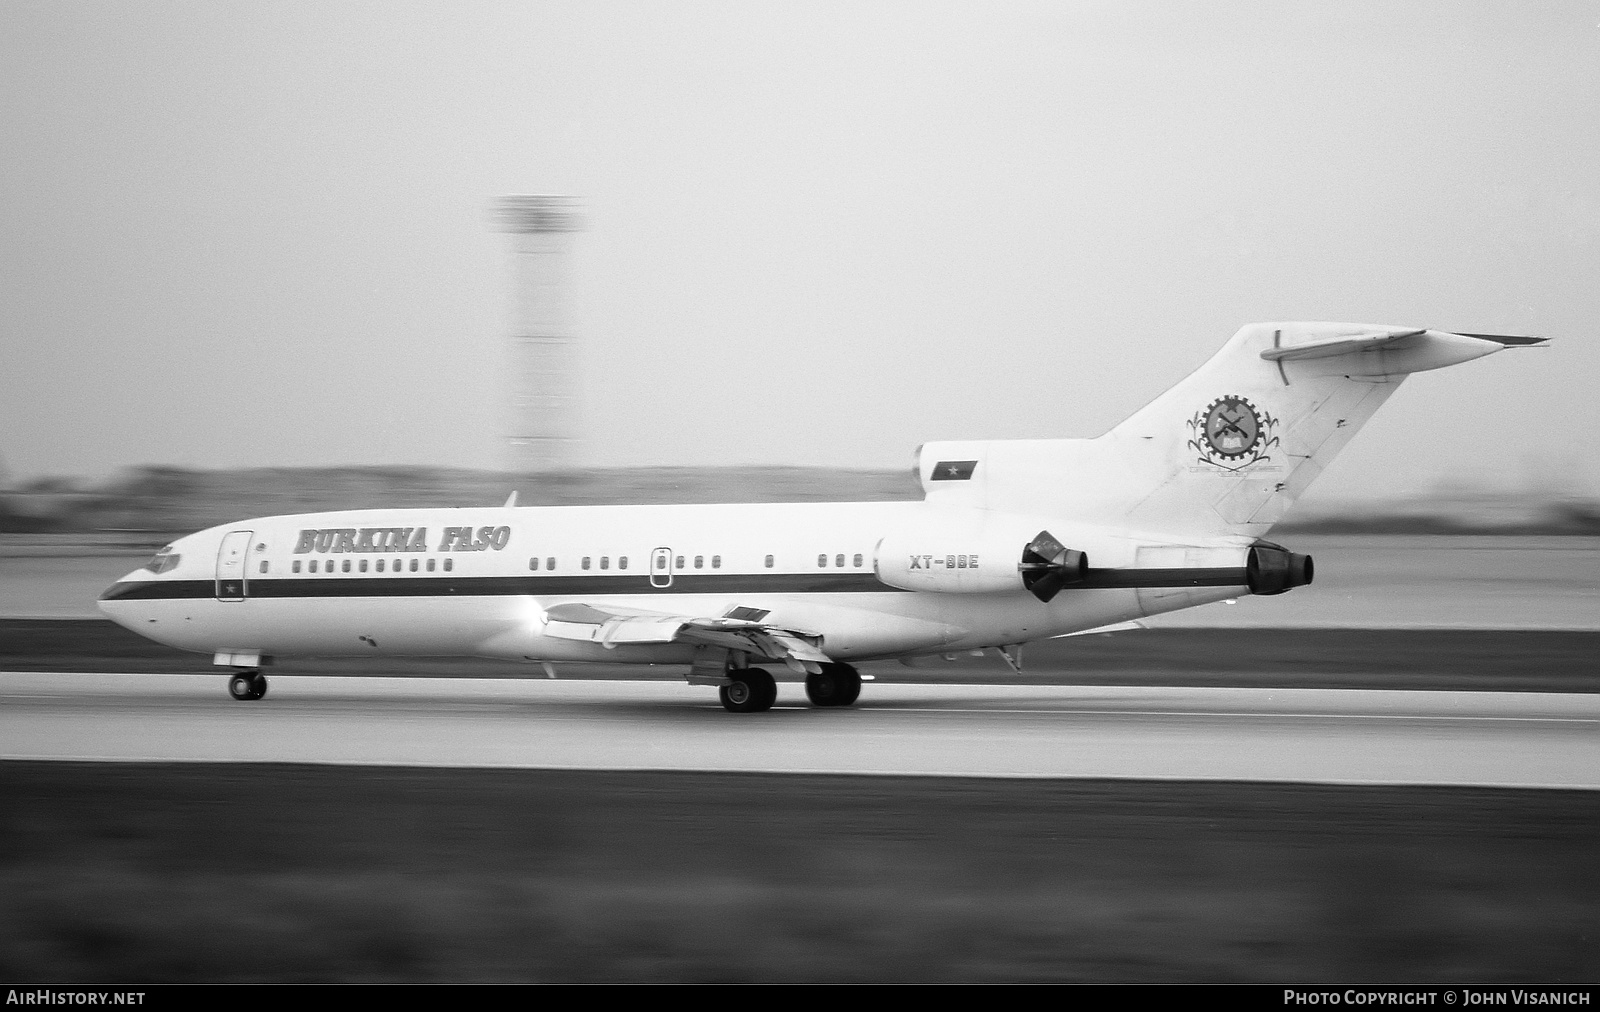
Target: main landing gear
[(749, 690), (834, 685), (752, 690), (247, 685)]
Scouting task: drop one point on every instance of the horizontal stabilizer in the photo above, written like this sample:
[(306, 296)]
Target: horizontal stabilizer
[(1327, 347), (1427, 345), (1510, 340)]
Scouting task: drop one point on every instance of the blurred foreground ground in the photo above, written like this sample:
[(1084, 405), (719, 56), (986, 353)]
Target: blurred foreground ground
[(185, 872), (1363, 581)]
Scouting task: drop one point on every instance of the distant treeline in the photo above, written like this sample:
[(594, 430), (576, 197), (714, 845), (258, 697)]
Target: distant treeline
[(176, 500), (161, 501)]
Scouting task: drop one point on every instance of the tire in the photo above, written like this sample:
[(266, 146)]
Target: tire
[(849, 686), (834, 685), (822, 688), (247, 685), (749, 690)]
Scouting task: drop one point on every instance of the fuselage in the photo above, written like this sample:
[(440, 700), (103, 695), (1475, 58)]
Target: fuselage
[(439, 582)]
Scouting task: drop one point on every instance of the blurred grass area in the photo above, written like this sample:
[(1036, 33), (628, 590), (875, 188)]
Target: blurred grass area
[(150, 505), (163, 502), (133, 872), (1500, 660)]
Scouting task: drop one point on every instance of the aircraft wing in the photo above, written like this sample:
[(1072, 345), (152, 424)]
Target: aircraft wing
[(737, 629)]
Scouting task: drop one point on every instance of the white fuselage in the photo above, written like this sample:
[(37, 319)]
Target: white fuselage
[(479, 581)]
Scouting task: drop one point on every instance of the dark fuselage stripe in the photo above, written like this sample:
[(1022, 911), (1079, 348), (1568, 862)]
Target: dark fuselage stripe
[(566, 586)]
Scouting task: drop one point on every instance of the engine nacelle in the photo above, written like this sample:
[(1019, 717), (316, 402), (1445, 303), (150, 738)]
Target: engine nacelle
[(1273, 569), (989, 562)]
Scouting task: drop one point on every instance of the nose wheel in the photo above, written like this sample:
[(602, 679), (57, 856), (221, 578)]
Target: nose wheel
[(247, 685)]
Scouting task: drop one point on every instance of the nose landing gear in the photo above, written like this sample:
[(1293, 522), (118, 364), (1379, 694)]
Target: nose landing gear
[(247, 685)]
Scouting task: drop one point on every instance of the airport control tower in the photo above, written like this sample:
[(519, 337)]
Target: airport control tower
[(542, 421)]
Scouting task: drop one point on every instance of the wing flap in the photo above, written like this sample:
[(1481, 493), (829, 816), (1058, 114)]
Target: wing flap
[(612, 627), (609, 628)]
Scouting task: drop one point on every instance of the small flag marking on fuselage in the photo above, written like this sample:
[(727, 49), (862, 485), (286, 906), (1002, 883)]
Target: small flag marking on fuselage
[(953, 470)]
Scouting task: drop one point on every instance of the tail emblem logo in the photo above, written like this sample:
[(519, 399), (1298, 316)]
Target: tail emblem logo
[(1232, 433)]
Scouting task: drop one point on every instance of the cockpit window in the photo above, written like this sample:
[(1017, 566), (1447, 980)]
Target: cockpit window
[(165, 561)]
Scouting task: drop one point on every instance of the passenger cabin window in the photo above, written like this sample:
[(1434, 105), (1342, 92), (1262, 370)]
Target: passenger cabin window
[(380, 565), (533, 563), (346, 566), (413, 565), (363, 565), (699, 561), (430, 565), (550, 563), (680, 562), (449, 564), (838, 560), (263, 565), (716, 562), (822, 560), (769, 562), (858, 560), (622, 563), (296, 566), (585, 562), (605, 562)]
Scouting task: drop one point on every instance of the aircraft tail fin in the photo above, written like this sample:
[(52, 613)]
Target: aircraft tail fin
[(1229, 448)]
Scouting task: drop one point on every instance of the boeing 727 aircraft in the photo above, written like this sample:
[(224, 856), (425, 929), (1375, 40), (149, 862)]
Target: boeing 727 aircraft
[(1014, 541)]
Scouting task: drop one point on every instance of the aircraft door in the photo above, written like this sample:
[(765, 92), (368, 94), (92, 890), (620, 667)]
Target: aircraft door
[(232, 581), (661, 567)]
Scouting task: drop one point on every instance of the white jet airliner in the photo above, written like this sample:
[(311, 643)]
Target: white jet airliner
[(1014, 541)]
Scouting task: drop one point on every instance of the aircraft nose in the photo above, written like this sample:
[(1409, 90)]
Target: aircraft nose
[(115, 601)]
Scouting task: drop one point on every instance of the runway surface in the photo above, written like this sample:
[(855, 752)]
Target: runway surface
[(1522, 739)]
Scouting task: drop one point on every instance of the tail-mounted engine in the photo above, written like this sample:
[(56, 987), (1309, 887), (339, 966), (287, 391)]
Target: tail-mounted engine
[(1273, 569), (1047, 565), (988, 563)]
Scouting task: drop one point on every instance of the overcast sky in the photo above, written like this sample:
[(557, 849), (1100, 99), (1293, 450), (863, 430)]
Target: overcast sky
[(250, 234)]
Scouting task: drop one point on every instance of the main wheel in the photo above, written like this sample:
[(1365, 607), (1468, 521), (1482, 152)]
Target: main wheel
[(247, 685), (749, 690), (834, 685)]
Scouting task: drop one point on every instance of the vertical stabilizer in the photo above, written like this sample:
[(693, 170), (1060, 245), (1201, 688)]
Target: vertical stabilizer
[(1230, 448), (1225, 452)]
